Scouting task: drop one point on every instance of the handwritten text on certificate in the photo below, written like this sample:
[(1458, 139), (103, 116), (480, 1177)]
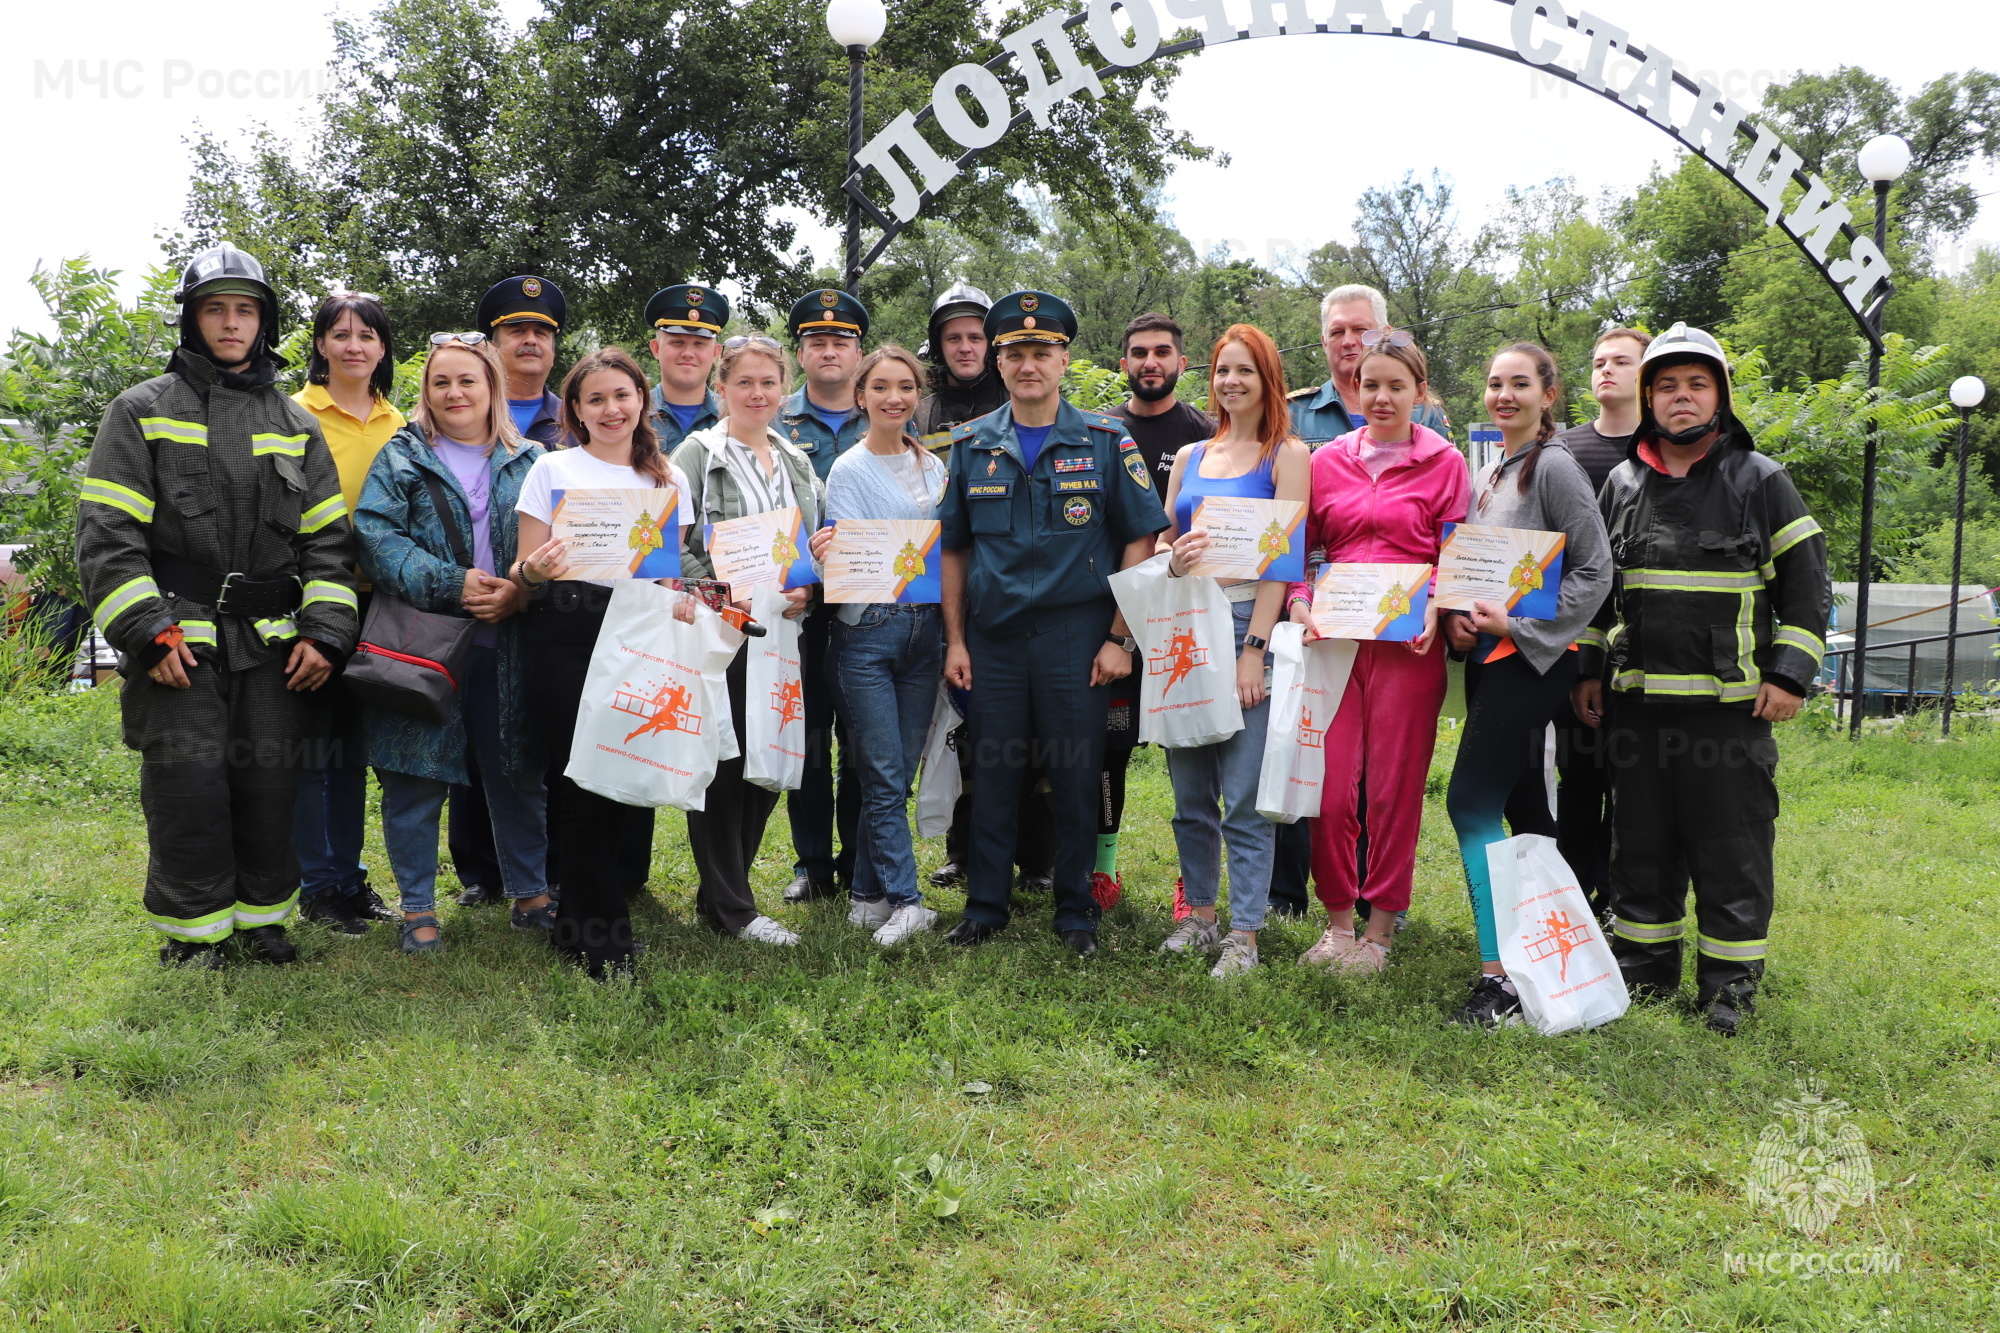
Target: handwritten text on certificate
[(1371, 601), (620, 533), (761, 550), (1252, 539), (884, 560), (1517, 568)]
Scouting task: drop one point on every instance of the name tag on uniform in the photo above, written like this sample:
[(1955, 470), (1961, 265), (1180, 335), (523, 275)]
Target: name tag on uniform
[(1085, 464), (1078, 484), (988, 490)]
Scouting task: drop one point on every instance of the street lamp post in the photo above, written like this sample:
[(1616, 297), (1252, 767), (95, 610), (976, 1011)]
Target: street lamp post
[(1967, 391), (1882, 159), (856, 25)]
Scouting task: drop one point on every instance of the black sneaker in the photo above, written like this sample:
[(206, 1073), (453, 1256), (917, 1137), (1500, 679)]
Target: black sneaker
[(1726, 1009), (480, 895), (947, 875), (368, 905), (190, 956), (267, 944), (1492, 1004), (334, 912)]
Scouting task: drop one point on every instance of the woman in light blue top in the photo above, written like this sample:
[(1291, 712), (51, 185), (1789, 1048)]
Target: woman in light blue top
[(1256, 456), (886, 658)]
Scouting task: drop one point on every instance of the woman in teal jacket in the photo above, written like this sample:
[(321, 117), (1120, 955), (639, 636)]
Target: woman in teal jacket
[(463, 438)]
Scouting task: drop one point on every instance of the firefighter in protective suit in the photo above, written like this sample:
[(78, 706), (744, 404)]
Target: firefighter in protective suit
[(1714, 630), (216, 556)]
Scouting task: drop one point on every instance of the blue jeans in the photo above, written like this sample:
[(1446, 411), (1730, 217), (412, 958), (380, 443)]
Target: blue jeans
[(884, 675), (517, 803), (1225, 773), (329, 815)]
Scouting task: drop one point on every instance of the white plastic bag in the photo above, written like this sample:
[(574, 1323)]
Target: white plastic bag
[(774, 706), (1187, 644), (940, 782), (1549, 941), (1307, 682), (655, 707)]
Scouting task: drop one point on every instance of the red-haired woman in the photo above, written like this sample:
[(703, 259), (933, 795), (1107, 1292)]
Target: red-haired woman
[(1380, 494), (1253, 456)]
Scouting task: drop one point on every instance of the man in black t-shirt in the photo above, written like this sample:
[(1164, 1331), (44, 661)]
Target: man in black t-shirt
[(1153, 359), (1583, 800)]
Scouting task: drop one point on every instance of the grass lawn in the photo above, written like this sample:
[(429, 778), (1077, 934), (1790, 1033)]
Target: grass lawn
[(839, 1138)]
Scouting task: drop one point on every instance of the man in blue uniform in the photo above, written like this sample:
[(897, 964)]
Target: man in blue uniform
[(524, 317), (1044, 504), (687, 323), (827, 327)]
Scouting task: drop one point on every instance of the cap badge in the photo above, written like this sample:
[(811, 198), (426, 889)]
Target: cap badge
[(531, 287), (693, 297), (1030, 301), (1028, 322), (829, 299)]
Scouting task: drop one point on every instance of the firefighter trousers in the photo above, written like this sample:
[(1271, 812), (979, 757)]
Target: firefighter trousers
[(217, 779), (1695, 802)]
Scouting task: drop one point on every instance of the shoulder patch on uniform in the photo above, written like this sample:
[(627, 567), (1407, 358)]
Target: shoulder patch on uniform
[(1127, 444), (962, 431), (1135, 468), (1306, 392), (1100, 421)]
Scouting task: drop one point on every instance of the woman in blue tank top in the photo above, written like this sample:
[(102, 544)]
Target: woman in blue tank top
[(1254, 455)]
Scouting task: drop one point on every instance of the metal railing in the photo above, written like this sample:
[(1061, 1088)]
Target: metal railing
[(1877, 654)]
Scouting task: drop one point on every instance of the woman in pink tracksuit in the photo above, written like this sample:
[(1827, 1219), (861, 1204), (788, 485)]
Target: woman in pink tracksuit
[(1381, 494)]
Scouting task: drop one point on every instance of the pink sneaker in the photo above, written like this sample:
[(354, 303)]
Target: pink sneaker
[(1181, 909), (1106, 890), (1333, 945)]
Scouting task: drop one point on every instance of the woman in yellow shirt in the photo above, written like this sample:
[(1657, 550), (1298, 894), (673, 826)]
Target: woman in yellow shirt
[(350, 370)]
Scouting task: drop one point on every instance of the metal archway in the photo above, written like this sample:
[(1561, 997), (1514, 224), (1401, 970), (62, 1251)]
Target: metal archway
[(1708, 122)]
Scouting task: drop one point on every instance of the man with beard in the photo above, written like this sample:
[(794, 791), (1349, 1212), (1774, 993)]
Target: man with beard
[(1153, 358), (964, 384)]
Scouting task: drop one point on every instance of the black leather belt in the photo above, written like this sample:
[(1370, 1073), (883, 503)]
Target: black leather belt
[(572, 595), (228, 594)]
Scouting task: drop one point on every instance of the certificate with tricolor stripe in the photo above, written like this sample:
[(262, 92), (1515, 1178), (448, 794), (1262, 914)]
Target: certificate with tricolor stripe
[(884, 560), (1518, 568), (1364, 601), (761, 550), (619, 533), (1252, 539)]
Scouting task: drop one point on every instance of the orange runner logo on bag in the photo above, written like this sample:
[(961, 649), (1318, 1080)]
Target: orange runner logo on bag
[(785, 702), (1310, 737), (1558, 938), (1178, 659), (666, 709)]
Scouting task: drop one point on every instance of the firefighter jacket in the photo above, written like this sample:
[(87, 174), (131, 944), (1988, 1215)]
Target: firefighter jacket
[(1720, 578), (224, 471)]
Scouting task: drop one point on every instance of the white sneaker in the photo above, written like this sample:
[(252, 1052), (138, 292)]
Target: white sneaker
[(905, 922), (870, 916), (766, 931), (1194, 935), (1239, 955)]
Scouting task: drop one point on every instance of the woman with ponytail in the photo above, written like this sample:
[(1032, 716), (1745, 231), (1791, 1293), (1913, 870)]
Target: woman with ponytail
[(1518, 671)]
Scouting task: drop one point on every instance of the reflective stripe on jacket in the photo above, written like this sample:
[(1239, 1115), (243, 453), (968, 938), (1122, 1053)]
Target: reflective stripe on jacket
[(1721, 579)]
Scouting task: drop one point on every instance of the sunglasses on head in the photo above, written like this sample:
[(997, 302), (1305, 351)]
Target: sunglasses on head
[(1393, 337), (749, 340), (469, 339)]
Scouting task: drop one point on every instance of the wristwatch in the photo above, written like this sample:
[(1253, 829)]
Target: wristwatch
[(1126, 642), (1252, 641)]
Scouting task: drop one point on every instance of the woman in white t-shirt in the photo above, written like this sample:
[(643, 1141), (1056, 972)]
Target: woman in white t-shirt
[(604, 406)]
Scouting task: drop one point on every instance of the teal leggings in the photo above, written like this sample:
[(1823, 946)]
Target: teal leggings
[(1499, 769)]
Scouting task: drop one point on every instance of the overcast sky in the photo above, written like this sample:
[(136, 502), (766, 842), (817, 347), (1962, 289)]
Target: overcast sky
[(103, 96)]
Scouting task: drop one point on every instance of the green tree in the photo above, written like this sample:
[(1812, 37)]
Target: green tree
[(1818, 432), (54, 388), (1683, 226), (620, 145)]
